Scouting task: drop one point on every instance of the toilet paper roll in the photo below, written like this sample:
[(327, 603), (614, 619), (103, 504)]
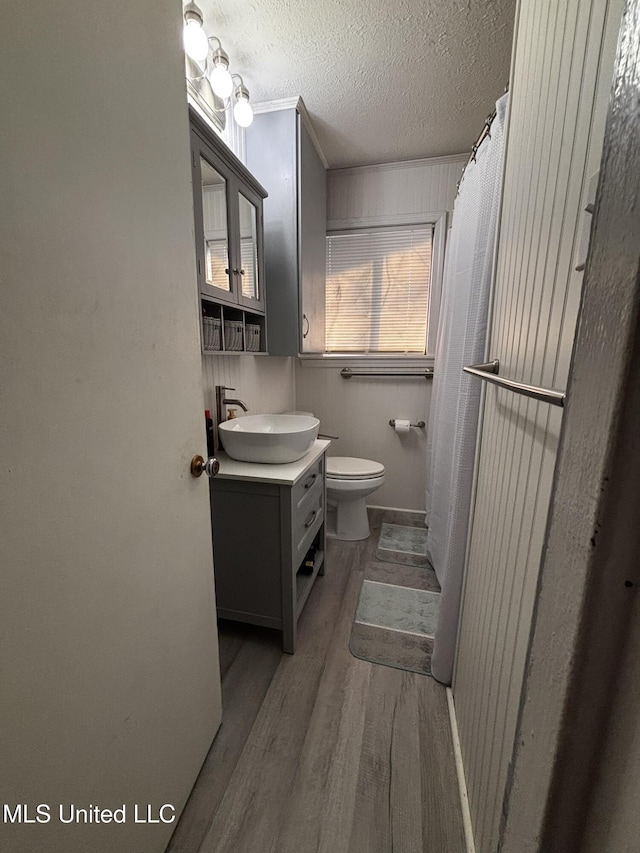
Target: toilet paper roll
[(402, 425)]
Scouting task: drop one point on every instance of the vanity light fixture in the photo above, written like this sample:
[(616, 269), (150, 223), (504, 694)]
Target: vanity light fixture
[(242, 109), (219, 77), (214, 67), (196, 43)]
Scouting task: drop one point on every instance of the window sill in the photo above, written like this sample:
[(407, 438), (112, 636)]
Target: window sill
[(360, 360)]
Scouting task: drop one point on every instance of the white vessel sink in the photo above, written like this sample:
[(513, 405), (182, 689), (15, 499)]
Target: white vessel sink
[(269, 438)]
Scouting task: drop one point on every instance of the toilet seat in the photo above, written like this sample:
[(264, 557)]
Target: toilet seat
[(352, 468)]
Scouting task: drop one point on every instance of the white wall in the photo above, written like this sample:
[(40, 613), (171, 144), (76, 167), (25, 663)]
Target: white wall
[(392, 193), (264, 383), (359, 409), (561, 77)]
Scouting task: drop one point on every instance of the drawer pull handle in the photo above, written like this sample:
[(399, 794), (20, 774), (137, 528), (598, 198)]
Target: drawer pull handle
[(311, 518), (310, 481)]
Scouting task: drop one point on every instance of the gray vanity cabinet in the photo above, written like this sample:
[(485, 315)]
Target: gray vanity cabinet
[(282, 156), (263, 531)]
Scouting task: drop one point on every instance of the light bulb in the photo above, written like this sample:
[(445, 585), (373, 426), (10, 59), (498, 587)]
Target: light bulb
[(196, 44), (221, 81), (242, 110)]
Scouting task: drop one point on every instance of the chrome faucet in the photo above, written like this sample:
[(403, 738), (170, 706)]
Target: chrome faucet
[(230, 400), (221, 413), (222, 402)]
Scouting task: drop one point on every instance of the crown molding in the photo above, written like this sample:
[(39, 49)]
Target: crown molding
[(294, 104), (403, 164)]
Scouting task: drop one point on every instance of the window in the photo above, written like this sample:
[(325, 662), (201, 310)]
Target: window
[(377, 297)]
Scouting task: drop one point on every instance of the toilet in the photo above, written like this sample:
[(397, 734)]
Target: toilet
[(349, 482)]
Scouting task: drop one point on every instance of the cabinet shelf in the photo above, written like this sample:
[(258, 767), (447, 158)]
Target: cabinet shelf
[(304, 582), (228, 330)]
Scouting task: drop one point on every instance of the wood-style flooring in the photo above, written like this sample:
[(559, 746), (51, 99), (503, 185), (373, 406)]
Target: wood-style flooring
[(321, 751)]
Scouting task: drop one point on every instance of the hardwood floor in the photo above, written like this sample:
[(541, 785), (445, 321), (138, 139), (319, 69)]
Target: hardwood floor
[(321, 751)]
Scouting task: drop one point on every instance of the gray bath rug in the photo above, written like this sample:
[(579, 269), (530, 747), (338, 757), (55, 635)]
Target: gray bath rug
[(412, 611), (391, 648), (394, 624), (399, 543)]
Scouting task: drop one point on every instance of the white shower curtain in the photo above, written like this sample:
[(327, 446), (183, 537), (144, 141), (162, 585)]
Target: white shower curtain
[(455, 399)]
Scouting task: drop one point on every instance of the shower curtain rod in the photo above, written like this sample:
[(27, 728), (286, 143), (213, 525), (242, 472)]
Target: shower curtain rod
[(486, 131)]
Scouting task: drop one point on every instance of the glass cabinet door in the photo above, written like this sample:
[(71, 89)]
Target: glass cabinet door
[(217, 266), (250, 292), (228, 227)]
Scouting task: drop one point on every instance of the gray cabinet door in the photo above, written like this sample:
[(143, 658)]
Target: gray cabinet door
[(282, 156), (312, 218), (228, 221), (213, 189), (272, 157)]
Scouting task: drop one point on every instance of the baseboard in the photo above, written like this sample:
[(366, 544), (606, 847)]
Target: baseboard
[(462, 784), (397, 509)]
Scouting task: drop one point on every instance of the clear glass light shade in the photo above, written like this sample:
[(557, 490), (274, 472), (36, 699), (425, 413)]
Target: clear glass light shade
[(243, 112), (195, 41), (221, 81)]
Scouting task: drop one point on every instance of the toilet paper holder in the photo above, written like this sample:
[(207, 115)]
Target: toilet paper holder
[(419, 425)]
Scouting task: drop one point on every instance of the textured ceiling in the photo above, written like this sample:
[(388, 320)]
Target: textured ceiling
[(382, 81)]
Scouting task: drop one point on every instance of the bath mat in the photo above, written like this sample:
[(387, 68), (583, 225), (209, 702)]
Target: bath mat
[(394, 624), (412, 611), (401, 544)]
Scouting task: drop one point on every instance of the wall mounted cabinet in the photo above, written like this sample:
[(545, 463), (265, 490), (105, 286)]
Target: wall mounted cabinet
[(229, 229), (282, 155)]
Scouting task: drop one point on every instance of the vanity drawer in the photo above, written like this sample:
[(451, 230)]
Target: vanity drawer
[(305, 526), (308, 482), (307, 502)]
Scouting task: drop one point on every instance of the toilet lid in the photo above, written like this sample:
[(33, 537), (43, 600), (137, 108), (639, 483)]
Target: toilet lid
[(351, 468)]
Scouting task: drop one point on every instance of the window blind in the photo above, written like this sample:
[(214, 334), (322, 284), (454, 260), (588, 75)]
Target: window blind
[(377, 295), (217, 262), (248, 261)]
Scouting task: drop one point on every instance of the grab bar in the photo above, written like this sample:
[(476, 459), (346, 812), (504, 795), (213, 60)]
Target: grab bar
[(489, 372), (347, 373)]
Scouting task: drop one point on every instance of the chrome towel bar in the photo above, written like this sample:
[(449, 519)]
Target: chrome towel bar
[(490, 370), (347, 373)]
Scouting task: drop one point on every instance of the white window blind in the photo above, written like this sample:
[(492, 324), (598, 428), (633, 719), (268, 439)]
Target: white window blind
[(377, 295), (217, 262), (249, 261)]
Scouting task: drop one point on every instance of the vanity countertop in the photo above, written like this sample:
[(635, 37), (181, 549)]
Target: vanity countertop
[(286, 474)]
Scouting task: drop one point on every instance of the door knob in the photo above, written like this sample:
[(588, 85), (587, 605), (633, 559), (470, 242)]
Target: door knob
[(199, 465)]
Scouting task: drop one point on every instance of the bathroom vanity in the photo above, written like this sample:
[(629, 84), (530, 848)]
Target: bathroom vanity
[(268, 522)]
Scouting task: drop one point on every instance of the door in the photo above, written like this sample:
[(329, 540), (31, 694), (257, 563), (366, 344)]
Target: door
[(561, 77), (312, 242), (110, 689), (249, 251), (214, 191), (228, 216)]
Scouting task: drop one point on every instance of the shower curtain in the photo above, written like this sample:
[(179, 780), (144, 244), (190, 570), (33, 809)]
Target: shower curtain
[(455, 399)]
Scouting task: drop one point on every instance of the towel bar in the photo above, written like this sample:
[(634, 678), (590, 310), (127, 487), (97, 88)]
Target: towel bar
[(489, 372)]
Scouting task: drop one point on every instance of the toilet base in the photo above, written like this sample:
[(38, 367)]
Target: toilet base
[(351, 520)]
